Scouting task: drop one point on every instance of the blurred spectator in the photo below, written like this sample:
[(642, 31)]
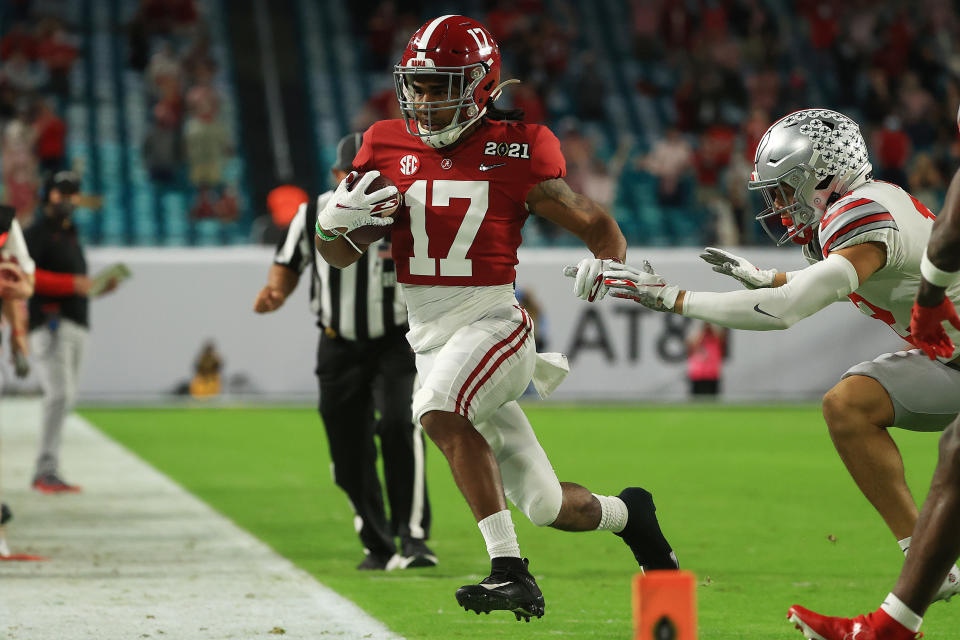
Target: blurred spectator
[(19, 166), (207, 143), (670, 161), (878, 101), (51, 135), (58, 52), (891, 148), (926, 183), (206, 379), (227, 208), (168, 17), (706, 351), (23, 74), (202, 98), (589, 88), (198, 54), (527, 99), (18, 39), (164, 67), (753, 129), (711, 159), (161, 147), (380, 32), (918, 112)]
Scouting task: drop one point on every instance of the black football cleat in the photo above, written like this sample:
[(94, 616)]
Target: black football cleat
[(416, 553), (5, 514), (509, 587), (374, 562), (642, 533)]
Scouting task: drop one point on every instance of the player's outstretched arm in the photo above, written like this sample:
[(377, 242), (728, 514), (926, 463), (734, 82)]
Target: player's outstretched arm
[(555, 201), (807, 292)]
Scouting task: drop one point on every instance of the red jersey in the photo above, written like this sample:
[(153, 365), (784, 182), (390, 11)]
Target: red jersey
[(464, 207)]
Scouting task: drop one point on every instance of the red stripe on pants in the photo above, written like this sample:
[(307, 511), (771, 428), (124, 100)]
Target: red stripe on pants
[(496, 365), (486, 358)]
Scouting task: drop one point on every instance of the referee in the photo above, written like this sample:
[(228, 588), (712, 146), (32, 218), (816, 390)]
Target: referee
[(363, 363)]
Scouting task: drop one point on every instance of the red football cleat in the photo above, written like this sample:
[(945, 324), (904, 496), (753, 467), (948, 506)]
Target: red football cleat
[(52, 483), (873, 626)]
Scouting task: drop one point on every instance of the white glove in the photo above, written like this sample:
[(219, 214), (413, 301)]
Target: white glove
[(589, 278), (740, 268), (645, 287), (350, 208)]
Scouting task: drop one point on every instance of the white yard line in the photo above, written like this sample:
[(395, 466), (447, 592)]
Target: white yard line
[(136, 556)]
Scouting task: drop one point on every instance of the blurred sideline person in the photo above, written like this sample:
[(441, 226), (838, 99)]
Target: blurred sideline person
[(864, 240), (59, 318), (706, 351), (364, 364), (16, 285), (470, 175), (206, 381), (935, 544)]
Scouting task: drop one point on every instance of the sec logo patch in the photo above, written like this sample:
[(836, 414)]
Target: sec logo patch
[(409, 164)]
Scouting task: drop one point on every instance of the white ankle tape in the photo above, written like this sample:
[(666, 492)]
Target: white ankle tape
[(498, 533), (613, 513), (901, 613)]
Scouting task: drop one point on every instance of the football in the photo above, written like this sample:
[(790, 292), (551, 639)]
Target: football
[(384, 208)]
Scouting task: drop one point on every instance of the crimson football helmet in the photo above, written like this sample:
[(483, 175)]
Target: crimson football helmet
[(461, 52)]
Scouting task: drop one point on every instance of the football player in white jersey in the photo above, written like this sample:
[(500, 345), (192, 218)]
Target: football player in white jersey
[(935, 543), (864, 240)]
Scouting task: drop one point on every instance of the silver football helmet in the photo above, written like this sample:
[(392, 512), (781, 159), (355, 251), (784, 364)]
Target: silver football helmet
[(804, 162)]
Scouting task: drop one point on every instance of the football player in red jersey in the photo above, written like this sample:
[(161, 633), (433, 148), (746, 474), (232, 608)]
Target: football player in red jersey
[(470, 176), (935, 544)]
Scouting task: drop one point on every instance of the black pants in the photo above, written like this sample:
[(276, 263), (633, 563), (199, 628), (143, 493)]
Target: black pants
[(357, 377), (705, 387)]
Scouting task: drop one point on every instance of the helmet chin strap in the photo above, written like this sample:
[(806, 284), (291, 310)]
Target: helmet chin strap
[(498, 90)]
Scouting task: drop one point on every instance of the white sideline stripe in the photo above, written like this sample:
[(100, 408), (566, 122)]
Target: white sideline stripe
[(135, 555)]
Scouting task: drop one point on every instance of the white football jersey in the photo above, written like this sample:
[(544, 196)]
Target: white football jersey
[(882, 212), (15, 248)]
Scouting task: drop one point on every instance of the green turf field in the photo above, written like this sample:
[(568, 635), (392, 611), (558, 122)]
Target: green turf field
[(754, 500)]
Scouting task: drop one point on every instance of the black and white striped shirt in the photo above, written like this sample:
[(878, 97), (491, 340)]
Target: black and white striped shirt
[(346, 303)]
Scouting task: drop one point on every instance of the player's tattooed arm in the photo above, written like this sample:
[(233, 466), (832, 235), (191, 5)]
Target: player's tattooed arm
[(554, 200)]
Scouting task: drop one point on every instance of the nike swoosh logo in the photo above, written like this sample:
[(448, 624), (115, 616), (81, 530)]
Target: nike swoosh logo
[(757, 308), (494, 586), (487, 167)]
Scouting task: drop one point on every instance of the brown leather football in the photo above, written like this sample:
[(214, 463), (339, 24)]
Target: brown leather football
[(385, 208)]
